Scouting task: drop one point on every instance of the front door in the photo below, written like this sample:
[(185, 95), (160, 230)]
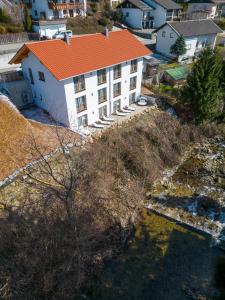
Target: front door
[(102, 111), (116, 105)]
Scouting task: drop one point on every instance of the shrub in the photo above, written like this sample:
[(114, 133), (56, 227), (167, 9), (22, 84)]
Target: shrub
[(94, 7), (103, 21), (2, 29)]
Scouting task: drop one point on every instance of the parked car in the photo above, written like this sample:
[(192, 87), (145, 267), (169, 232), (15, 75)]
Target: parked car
[(61, 34)]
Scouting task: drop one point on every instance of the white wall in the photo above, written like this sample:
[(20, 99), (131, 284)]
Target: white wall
[(48, 30), (159, 13), (91, 93), (49, 95), (135, 17), (163, 44), (193, 7)]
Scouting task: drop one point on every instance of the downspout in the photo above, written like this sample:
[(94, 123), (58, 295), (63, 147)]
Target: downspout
[(110, 90)]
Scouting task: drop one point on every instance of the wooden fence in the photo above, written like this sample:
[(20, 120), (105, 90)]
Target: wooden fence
[(11, 38)]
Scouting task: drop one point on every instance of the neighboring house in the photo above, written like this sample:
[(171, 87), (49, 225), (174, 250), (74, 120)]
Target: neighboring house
[(80, 80), (137, 14), (115, 3), (149, 13), (50, 16), (207, 8), (198, 34)]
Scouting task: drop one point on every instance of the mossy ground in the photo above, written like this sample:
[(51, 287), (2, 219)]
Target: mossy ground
[(163, 261)]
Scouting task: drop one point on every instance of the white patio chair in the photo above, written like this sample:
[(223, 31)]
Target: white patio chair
[(96, 125)]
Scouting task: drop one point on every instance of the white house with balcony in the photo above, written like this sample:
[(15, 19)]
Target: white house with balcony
[(149, 13), (50, 16), (206, 8), (86, 78), (198, 34)]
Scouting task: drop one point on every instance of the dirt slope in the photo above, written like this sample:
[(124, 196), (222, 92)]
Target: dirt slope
[(19, 135)]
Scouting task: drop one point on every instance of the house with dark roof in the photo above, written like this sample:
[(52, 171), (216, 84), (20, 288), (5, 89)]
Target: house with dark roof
[(206, 8), (198, 34), (144, 14), (82, 80)]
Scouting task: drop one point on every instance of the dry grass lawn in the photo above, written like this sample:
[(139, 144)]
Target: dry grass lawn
[(20, 138)]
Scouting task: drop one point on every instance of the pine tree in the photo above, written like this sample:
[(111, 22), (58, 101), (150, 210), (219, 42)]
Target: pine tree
[(179, 47), (27, 20), (203, 88)]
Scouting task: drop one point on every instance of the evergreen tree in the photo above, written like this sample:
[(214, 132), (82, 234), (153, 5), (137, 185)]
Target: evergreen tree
[(27, 20), (203, 88), (179, 47)]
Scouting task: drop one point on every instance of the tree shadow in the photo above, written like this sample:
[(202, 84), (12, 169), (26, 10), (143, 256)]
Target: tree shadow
[(164, 261)]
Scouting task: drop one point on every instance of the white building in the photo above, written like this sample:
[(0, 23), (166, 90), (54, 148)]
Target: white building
[(206, 8), (149, 13), (50, 16), (198, 34), (79, 81)]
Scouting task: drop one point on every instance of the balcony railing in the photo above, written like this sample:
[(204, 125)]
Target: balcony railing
[(63, 6)]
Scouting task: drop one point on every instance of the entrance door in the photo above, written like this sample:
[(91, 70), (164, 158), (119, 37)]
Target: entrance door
[(116, 105), (71, 13), (102, 111)]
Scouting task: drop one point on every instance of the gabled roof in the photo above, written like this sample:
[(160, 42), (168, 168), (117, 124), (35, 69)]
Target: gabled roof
[(207, 1), (168, 4), (194, 27), (178, 73), (84, 53), (138, 4)]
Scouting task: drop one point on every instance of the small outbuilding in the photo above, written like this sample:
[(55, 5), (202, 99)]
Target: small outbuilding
[(176, 76)]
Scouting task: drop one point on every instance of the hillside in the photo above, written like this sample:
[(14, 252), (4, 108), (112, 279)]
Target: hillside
[(18, 137)]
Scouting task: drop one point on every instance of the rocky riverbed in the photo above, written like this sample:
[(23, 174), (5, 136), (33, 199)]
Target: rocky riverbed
[(194, 192)]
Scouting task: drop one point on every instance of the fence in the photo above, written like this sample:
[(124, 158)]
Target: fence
[(11, 38)]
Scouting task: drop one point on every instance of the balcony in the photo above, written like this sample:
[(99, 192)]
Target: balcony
[(43, 22), (65, 6)]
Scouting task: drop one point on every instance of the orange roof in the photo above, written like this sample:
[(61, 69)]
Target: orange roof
[(84, 53)]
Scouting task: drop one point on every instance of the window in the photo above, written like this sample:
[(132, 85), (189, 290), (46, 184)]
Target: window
[(116, 72), (127, 14), (117, 89), (163, 34), (102, 95), (81, 104), (171, 35), (82, 121), (79, 83), (101, 76), (133, 66), (132, 98), (116, 105), (102, 111), (41, 76), (133, 83), (31, 76), (35, 12)]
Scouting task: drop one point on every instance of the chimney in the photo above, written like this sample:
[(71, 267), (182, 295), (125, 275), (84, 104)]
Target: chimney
[(67, 38), (106, 32)]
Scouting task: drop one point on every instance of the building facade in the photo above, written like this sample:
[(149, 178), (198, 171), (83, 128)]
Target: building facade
[(84, 98), (198, 34), (207, 8), (150, 13), (50, 16)]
